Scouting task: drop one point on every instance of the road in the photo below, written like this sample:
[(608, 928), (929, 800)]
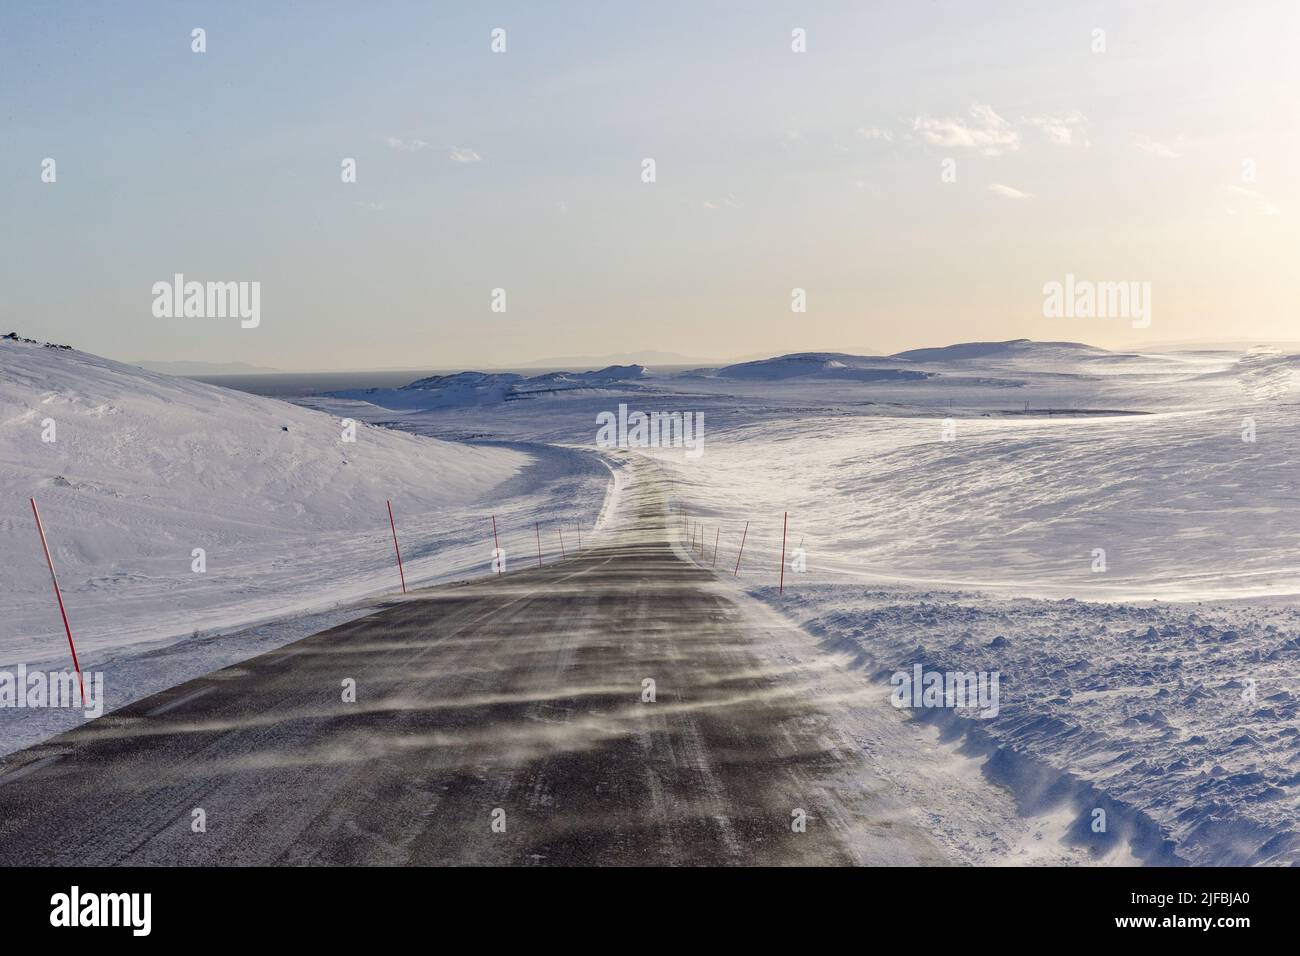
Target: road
[(496, 722)]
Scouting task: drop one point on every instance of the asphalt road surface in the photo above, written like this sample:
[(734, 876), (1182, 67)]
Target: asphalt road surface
[(499, 721)]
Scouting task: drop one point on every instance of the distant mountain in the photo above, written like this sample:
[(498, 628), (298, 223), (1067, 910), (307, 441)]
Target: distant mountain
[(1012, 348), (204, 368), (490, 388), (825, 365)]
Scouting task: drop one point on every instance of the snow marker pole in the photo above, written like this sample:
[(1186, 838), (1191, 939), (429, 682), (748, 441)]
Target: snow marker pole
[(562, 554), (59, 595), (538, 528), (716, 532), (785, 519), (495, 543), (393, 524), (741, 551)]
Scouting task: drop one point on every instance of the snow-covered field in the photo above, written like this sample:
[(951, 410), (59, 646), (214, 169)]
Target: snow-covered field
[(1091, 525), (145, 468)]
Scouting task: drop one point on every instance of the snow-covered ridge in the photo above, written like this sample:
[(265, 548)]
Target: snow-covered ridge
[(134, 470), (827, 365), (1024, 349), (491, 388)]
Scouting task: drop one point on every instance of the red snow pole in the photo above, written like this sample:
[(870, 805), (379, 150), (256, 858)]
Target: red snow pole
[(59, 595), (392, 524), (538, 528), (716, 532), (495, 543), (562, 554), (741, 551), (784, 520)]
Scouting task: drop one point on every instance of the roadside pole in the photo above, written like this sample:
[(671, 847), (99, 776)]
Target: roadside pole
[(58, 594), (393, 524)]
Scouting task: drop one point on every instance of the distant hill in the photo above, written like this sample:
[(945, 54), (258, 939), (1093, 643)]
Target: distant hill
[(827, 365), (490, 388), (1012, 348)]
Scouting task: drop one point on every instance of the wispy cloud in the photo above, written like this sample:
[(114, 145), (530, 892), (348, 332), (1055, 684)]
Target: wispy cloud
[(1009, 192), (876, 133), (1239, 196), (985, 131), (1067, 130), (407, 145), (1149, 145), (729, 201), (458, 154)]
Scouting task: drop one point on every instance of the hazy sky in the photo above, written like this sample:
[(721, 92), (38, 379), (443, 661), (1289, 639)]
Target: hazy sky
[(1171, 158)]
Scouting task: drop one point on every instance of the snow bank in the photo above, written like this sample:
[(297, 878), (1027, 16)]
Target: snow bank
[(1181, 722)]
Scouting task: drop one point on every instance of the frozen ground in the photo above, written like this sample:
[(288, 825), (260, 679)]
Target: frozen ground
[(953, 506)]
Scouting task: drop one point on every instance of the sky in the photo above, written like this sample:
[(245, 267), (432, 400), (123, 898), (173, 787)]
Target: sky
[(921, 170)]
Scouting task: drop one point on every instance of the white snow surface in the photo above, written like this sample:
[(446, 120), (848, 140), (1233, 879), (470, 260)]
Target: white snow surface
[(146, 468)]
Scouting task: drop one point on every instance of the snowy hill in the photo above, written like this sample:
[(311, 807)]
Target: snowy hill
[(144, 468), (1022, 349), (465, 389), (823, 365)]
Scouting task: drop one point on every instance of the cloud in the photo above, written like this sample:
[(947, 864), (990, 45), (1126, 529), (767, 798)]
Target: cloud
[(463, 154), (729, 201), (407, 145), (1256, 201), (1067, 130), (873, 132), (1008, 192), (986, 131), (1148, 145)]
